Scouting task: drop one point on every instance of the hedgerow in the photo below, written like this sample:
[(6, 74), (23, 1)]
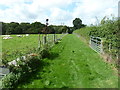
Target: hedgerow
[(108, 30)]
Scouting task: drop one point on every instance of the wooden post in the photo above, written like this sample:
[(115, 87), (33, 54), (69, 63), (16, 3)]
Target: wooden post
[(44, 39), (90, 41), (101, 45), (39, 42), (54, 38)]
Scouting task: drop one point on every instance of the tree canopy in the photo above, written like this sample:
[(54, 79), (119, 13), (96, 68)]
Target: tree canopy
[(77, 23), (38, 27)]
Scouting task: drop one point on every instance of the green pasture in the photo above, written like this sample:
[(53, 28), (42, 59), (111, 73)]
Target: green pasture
[(17, 46), (72, 64)]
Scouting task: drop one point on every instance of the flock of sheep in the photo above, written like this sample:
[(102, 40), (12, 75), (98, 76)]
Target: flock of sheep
[(9, 37)]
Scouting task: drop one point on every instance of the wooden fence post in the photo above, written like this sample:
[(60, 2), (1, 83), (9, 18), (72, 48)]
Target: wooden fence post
[(101, 45), (54, 38), (39, 42), (44, 39)]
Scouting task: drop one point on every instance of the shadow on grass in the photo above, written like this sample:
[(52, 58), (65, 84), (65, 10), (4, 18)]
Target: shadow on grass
[(32, 76), (53, 55), (28, 78)]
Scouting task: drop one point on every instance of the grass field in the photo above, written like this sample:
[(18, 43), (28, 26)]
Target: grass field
[(72, 65), (17, 46), (11, 48), (84, 32)]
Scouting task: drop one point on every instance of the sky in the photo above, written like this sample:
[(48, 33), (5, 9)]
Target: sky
[(57, 11)]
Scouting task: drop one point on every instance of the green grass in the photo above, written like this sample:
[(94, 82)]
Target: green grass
[(0, 50), (72, 65), (84, 32), (12, 47), (17, 46)]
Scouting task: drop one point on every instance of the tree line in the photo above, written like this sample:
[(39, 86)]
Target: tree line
[(37, 27)]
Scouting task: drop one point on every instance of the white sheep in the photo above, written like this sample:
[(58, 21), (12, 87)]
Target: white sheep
[(19, 35), (27, 34), (7, 37)]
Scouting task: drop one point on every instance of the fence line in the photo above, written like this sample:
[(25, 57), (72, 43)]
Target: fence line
[(42, 40), (49, 39)]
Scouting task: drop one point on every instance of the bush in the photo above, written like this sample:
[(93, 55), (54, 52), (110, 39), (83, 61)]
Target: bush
[(17, 73), (45, 53), (10, 80)]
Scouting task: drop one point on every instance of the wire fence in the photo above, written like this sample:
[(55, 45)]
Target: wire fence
[(49, 39)]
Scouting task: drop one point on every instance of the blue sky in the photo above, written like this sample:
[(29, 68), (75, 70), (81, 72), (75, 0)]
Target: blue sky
[(57, 11)]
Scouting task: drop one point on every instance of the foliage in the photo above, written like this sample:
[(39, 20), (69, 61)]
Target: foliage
[(18, 73), (9, 80), (78, 23), (33, 28), (108, 30), (60, 29), (45, 53), (38, 27)]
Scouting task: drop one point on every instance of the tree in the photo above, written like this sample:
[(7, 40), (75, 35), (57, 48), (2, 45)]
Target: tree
[(3, 28), (70, 30), (77, 23), (25, 27)]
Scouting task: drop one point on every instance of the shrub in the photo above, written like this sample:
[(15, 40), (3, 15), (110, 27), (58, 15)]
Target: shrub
[(45, 53), (9, 80)]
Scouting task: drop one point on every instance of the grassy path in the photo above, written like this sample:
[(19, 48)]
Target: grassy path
[(73, 65)]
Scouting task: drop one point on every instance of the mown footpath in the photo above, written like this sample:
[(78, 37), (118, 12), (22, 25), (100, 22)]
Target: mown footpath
[(72, 64)]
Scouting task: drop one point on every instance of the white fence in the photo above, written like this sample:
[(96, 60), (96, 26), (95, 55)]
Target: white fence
[(96, 44)]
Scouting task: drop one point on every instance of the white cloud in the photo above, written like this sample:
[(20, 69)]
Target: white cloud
[(89, 9), (39, 10)]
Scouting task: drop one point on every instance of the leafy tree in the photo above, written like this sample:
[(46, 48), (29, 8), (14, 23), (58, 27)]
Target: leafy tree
[(70, 30), (77, 23), (33, 28), (25, 27), (3, 28)]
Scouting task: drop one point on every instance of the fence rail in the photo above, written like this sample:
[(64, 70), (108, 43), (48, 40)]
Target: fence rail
[(49, 39), (96, 44)]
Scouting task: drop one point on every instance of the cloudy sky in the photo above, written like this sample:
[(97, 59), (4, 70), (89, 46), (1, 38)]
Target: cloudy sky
[(57, 11)]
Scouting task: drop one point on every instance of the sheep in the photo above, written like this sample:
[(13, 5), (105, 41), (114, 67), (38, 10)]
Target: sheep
[(19, 35), (27, 34), (7, 37)]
